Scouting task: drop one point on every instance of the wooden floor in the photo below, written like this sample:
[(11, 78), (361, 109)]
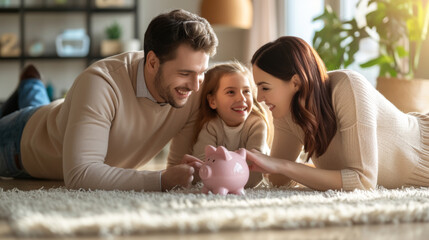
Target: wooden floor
[(391, 232)]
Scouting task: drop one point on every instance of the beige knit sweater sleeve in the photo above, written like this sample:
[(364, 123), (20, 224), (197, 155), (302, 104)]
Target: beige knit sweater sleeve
[(256, 137), (287, 143), (207, 136), (86, 141), (182, 143), (355, 105)]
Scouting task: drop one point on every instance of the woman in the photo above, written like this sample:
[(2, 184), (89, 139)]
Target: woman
[(354, 136)]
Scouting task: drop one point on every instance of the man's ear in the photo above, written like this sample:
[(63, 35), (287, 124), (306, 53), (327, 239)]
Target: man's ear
[(296, 82), (212, 101), (152, 62)]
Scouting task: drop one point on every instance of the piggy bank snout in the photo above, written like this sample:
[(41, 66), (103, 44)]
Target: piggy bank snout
[(205, 172)]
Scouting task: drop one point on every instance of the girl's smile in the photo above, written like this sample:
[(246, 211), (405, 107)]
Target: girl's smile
[(233, 100)]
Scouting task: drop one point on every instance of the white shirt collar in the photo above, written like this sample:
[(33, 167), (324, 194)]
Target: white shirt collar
[(142, 90)]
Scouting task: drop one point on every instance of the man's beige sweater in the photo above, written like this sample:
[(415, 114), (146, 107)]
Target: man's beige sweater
[(375, 144), (102, 132)]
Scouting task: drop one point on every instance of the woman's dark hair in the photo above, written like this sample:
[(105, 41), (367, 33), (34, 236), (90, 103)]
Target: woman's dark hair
[(169, 30), (311, 106)]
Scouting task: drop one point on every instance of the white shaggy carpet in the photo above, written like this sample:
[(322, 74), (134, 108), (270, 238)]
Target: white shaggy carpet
[(60, 212)]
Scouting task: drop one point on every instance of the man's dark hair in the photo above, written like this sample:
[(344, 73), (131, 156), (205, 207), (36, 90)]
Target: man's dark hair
[(169, 30)]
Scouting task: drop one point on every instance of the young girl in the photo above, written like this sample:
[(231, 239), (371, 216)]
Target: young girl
[(355, 137), (230, 116)]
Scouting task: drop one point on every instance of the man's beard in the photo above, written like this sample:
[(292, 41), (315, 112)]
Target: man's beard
[(165, 92)]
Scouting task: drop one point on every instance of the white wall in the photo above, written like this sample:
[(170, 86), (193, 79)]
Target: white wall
[(231, 41), (63, 72)]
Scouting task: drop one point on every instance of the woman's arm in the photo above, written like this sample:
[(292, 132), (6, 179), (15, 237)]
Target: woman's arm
[(318, 179)]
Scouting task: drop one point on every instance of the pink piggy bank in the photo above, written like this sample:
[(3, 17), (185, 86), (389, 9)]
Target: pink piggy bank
[(224, 171)]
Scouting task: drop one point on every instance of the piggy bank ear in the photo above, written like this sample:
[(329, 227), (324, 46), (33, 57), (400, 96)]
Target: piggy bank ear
[(223, 153), (241, 152), (209, 150)]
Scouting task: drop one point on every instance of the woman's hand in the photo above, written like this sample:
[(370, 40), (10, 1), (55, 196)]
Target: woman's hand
[(268, 165), (318, 179), (263, 163)]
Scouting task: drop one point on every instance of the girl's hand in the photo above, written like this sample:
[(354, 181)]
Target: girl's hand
[(192, 161), (263, 163)]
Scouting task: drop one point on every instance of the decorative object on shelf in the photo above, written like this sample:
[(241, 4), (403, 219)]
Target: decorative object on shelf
[(36, 49), (4, 3), (72, 43), (9, 46), (50, 89), (109, 3), (60, 2), (399, 27), (112, 45), (228, 13), (131, 45)]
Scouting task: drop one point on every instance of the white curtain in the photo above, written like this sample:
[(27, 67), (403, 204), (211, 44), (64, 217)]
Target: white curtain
[(264, 28)]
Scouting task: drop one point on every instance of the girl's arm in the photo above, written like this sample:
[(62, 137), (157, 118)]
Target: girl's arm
[(207, 136), (318, 179), (255, 133)]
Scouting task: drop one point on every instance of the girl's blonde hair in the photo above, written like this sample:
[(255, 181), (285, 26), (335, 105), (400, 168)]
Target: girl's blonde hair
[(211, 86)]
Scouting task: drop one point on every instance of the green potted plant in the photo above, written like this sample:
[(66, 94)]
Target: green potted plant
[(111, 45), (399, 27)]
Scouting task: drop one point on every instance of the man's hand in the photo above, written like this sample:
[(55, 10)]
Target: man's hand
[(195, 163), (180, 175)]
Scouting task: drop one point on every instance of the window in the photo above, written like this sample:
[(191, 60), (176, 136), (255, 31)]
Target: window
[(298, 16), (297, 20)]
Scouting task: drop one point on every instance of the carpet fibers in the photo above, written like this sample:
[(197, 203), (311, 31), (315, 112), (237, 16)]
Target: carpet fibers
[(59, 212)]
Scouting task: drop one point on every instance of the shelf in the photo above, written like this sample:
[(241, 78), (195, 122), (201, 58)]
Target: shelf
[(54, 10), (87, 8), (53, 57), (112, 10), (67, 9), (9, 10), (9, 58), (43, 58)]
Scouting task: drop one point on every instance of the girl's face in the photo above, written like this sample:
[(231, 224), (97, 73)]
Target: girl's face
[(276, 93), (233, 100)]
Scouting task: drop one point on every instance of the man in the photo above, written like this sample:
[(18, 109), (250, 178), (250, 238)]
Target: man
[(118, 114)]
